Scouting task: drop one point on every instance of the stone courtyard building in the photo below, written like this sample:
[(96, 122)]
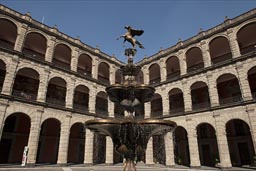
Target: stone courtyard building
[(52, 83)]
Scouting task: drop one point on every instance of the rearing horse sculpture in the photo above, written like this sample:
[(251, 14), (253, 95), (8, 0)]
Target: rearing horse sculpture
[(129, 36)]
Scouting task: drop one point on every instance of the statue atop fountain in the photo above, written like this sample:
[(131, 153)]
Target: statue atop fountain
[(129, 135)]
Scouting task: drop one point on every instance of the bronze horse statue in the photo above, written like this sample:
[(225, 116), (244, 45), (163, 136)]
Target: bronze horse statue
[(129, 36)]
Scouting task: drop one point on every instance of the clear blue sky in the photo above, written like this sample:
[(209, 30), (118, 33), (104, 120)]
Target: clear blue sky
[(100, 22)]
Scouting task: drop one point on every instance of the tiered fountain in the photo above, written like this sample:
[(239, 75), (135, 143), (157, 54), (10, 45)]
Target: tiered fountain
[(129, 135)]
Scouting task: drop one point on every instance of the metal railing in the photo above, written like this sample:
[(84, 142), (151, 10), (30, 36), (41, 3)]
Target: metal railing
[(84, 72), (254, 95), (177, 110), (25, 95), (154, 81), (229, 100), (33, 54), (221, 58), (103, 79), (80, 107), (247, 49), (55, 101), (7, 45), (195, 67), (203, 105), (173, 75), (60, 64)]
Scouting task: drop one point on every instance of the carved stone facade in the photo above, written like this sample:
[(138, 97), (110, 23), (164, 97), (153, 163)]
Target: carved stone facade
[(52, 83)]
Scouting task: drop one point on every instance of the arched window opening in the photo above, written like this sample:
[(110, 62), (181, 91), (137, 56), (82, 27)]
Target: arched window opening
[(99, 148), (76, 144), (118, 77), (176, 101), (252, 81), (26, 84), (181, 148), (220, 50), (172, 68), (35, 45), (154, 74), (140, 77), (48, 142), (207, 145), (159, 149), (84, 65), (156, 106), (240, 143), (228, 89), (118, 111), (56, 92), (81, 98), (140, 112), (194, 59), (14, 138), (103, 73), (2, 74), (62, 56), (246, 38), (102, 104), (8, 34), (200, 96)]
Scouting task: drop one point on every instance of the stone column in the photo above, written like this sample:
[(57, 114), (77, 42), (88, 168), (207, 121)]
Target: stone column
[(182, 61), (235, 50), (147, 109), (95, 66), (3, 107), (146, 74), (109, 150), (34, 135), (112, 73), (187, 96), (88, 150), (111, 107), (70, 92), (92, 101), (74, 59), (252, 118), (243, 82), (10, 76), (165, 101), (20, 37), (169, 151), (206, 54), (42, 89), (193, 144), (64, 140), (163, 72), (212, 88), (222, 141), (50, 49), (149, 152)]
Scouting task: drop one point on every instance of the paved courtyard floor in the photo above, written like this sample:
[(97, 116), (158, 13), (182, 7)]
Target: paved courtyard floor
[(118, 167)]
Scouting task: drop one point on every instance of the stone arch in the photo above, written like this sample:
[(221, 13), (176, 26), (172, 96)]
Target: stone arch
[(62, 55), (200, 95), (8, 33), (56, 91), (14, 137), (181, 146), (84, 64), (251, 77), (207, 144), (76, 143), (26, 84), (154, 73), (81, 98), (35, 44), (194, 59), (176, 101), (245, 37), (239, 142), (228, 89), (49, 141), (219, 49), (104, 72), (172, 67)]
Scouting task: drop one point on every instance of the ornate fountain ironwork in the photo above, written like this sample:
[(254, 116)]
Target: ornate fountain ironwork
[(130, 135)]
